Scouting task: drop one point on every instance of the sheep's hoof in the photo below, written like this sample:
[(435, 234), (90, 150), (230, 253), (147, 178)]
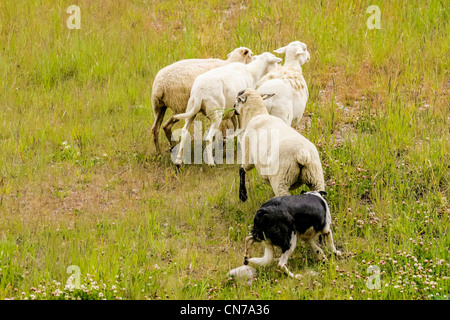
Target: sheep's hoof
[(243, 195), (298, 276), (178, 161), (211, 163), (338, 254)]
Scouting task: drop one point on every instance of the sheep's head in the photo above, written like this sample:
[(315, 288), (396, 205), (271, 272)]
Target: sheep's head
[(271, 60), (295, 50), (241, 54), (247, 95)]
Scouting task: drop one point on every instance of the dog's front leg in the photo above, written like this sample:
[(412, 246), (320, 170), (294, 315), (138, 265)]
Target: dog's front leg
[(282, 263)]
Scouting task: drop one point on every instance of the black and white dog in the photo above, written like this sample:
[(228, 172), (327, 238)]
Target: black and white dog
[(281, 220)]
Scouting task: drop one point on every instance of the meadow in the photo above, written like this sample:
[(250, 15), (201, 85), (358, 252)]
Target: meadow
[(81, 185)]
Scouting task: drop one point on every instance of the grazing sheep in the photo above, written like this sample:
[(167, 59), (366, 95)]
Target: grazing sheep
[(285, 159), (172, 88), (216, 90), (280, 221), (288, 84)]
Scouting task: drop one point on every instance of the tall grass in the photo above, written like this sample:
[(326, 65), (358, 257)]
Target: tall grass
[(80, 183)]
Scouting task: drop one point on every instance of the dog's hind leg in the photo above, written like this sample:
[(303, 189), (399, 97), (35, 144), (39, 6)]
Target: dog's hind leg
[(268, 255), (285, 256), (316, 248)]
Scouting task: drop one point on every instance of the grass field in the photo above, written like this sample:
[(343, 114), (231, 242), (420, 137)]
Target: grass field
[(80, 183)]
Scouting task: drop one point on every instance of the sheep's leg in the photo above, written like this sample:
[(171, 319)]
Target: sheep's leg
[(242, 189), (330, 243), (209, 138), (184, 138), (247, 162), (159, 117), (268, 255), (280, 189), (282, 263), (236, 133), (248, 243), (312, 175), (167, 127), (235, 121)]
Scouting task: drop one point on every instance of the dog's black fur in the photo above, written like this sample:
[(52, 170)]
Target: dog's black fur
[(277, 218), (281, 220)]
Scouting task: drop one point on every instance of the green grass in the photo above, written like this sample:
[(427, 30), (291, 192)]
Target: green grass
[(80, 183)]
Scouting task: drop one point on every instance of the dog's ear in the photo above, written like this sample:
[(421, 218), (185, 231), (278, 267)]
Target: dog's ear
[(303, 191), (323, 193)]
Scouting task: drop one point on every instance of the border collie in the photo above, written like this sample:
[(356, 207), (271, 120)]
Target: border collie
[(281, 220)]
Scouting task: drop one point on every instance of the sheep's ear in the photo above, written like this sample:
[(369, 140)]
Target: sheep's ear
[(242, 97), (273, 59), (304, 58), (280, 50), (265, 96), (323, 193), (228, 55), (277, 60)]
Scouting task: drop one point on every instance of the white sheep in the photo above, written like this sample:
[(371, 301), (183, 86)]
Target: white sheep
[(172, 88), (283, 158), (288, 84), (216, 90)]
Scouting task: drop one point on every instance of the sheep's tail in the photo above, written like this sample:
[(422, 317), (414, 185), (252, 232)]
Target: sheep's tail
[(242, 189), (194, 105), (311, 172), (157, 96)]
